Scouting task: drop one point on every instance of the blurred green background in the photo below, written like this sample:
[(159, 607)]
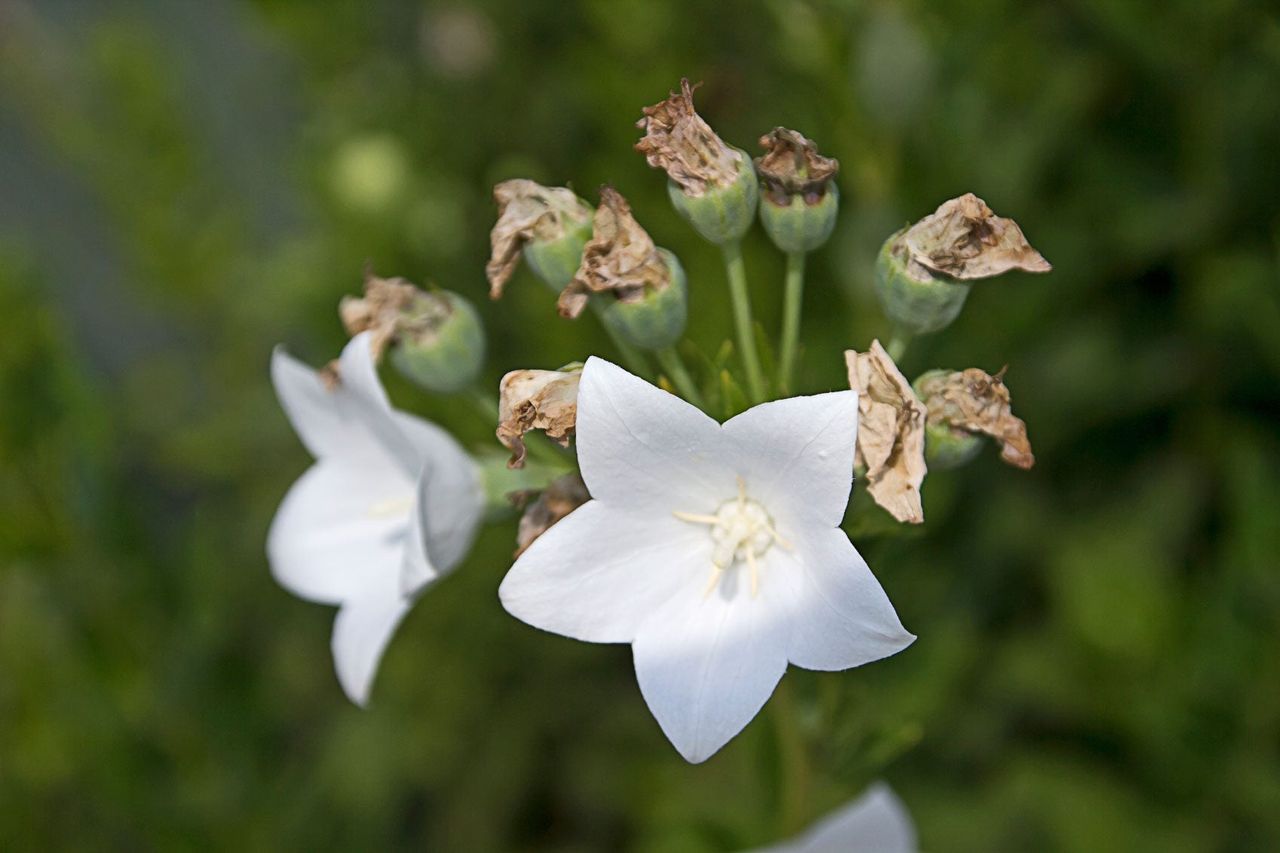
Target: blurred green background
[(185, 184)]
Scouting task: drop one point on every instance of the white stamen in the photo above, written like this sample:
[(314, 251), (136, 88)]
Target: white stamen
[(741, 531), (390, 507)]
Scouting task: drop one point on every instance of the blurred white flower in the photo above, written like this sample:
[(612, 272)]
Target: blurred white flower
[(876, 822), (714, 550), (391, 504)]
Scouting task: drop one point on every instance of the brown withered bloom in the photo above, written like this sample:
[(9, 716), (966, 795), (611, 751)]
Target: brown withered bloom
[(890, 441), (678, 141), (536, 399), (620, 258), (387, 306), (543, 509), (975, 401), (528, 211), (791, 165), (965, 240)]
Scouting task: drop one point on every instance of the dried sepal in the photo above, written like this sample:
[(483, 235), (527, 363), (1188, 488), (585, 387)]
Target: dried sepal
[(975, 401), (678, 141), (620, 258), (543, 509), (382, 308), (791, 165), (536, 399), (965, 240), (528, 211), (890, 443)]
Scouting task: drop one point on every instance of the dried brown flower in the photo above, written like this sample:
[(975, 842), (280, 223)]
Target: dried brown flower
[(965, 240), (389, 308), (678, 141), (620, 258), (553, 503), (890, 440), (976, 401), (791, 165), (528, 211), (536, 399)]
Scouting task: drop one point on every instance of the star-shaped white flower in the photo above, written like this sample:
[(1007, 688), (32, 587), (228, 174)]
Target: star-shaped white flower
[(876, 822), (714, 550), (391, 504)]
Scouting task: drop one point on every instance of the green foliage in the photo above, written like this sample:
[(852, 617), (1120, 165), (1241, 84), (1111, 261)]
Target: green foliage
[(186, 185)]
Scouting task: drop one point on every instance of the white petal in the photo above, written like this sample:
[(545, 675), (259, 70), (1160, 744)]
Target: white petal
[(450, 503), (353, 419), (796, 455), (363, 628), (339, 523), (841, 617), (876, 822), (639, 446), (598, 574), (707, 663)]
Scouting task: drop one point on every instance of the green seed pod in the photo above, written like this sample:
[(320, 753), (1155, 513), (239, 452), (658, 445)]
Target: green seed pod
[(799, 226), (946, 447), (913, 297), (799, 197), (556, 260), (547, 226), (657, 319), (924, 271), (721, 214), (439, 343)]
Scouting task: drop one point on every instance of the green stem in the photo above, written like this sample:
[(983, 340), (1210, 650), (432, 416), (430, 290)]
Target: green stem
[(794, 760), (671, 362), (792, 301), (899, 340), (742, 319), (632, 358), (484, 403)]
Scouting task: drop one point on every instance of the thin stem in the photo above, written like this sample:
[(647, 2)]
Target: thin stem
[(631, 357), (485, 404), (742, 319), (673, 364), (792, 301), (793, 757), (899, 340)]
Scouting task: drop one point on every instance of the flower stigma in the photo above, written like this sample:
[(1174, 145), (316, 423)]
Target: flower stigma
[(741, 531)]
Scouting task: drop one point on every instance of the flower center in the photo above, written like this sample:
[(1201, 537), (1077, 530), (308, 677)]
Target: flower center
[(741, 531)]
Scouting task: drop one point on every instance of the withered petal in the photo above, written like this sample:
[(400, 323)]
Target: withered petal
[(976, 401), (964, 239), (890, 439), (546, 400)]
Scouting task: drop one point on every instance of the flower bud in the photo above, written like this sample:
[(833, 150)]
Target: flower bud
[(433, 338), (641, 288), (547, 225), (799, 198), (711, 184), (923, 272), (964, 405)]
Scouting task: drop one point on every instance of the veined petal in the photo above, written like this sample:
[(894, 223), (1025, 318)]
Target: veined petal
[(707, 662), (339, 523), (449, 506), (599, 573), (841, 617), (876, 822), (640, 447), (797, 454), (363, 628)]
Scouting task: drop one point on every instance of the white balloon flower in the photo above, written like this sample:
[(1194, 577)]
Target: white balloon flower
[(391, 505), (715, 551), (876, 822)]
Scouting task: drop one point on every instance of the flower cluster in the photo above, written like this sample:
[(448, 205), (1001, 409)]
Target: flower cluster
[(702, 527)]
